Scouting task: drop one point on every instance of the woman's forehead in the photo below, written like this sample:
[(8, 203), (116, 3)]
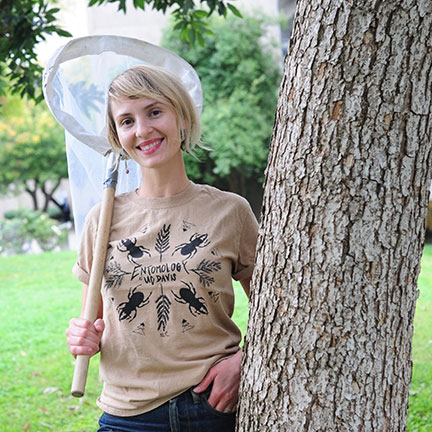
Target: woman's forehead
[(124, 106)]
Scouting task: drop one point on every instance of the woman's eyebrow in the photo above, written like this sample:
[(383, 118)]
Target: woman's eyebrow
[(123, 114), (151, 105)]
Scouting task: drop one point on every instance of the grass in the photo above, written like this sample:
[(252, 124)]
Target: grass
[(38, 297), (420, 402)]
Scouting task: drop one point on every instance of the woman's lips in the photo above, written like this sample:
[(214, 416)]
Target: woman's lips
[(150, 146)]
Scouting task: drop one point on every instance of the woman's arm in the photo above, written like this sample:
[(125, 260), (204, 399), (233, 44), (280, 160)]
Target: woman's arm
[(225, 376)]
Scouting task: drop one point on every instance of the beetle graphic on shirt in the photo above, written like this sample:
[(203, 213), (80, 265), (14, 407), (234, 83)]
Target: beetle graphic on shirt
[(174, 265)]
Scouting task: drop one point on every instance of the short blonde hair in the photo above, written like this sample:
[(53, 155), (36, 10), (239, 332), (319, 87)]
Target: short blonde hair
[(155, 83)]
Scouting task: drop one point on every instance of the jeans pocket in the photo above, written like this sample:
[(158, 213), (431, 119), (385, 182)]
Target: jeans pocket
[(204, 399)]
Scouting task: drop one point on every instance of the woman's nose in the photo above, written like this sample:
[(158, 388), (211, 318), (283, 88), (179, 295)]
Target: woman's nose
[(143, 128)]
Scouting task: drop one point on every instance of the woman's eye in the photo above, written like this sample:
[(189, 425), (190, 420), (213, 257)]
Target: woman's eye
[(126, 122), (155, 113)]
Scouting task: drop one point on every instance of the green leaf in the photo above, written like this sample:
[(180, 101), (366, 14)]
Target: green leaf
[(178, 25), (139, 4), (51, 29), (201, 14), (63, 33), (122, 6), (192, 35), (184, 34), (206, 30), (222, 9), (234, 10), (200, 39)]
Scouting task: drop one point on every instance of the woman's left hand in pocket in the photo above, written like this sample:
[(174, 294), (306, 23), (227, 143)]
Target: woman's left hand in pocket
[(225, 377)]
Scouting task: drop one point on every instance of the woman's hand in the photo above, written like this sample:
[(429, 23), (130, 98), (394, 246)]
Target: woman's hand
[(225, 377), (83, 337)]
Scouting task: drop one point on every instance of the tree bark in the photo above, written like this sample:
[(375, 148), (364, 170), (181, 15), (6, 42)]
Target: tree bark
[(328, 346)]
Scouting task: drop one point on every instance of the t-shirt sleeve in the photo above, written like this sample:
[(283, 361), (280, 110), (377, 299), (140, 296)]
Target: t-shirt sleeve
[(81, 269), (244, 266)]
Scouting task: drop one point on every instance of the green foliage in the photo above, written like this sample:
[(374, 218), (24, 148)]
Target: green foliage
[(11, 214), (190, 22), (240, 74), (16, 233), (24, 23), (32, 150)]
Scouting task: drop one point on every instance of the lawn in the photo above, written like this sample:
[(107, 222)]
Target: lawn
[(38, 297)]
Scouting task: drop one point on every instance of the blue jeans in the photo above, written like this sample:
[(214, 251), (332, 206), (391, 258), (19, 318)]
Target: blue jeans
[(188, 412)]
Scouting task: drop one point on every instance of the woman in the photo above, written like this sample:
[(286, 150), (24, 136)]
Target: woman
[(170, 356)]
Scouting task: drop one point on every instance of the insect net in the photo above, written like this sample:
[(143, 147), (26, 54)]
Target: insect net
[(76, 81)]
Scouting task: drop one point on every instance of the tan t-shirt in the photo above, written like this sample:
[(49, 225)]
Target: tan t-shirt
[(167, 291)]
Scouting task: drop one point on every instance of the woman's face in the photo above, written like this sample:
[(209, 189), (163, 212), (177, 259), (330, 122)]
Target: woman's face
[(148, 131)]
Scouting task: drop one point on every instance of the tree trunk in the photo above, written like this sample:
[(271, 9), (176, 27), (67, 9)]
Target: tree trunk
[(328, 346), (48, 195), (33, 193)]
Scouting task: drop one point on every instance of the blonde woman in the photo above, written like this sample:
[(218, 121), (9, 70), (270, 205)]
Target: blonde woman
[(170, 356)]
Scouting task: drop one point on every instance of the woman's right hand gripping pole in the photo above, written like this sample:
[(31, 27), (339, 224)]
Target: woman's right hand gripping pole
[(84, 337)]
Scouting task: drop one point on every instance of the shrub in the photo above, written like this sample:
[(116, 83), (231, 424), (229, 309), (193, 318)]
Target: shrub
[(12, 214), (18, 232), (240, 73)]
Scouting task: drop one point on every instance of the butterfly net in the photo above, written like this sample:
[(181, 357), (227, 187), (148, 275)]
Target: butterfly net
[(76, 81)]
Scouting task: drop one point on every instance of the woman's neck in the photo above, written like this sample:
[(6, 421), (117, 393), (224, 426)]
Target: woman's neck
[(157, 183)]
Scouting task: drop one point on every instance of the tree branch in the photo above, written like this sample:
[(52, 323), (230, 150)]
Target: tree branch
[(32, 193), (49, 195)]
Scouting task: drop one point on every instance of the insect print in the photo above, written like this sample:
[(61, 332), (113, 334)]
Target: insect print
[(214, 295), (115, 275), (140, 330), (134, 251), (205, 269), (186, 326), (188, 250), (162, 241), (197, 305), (215, 252), (163, 305), (187, 226), (128, 310)]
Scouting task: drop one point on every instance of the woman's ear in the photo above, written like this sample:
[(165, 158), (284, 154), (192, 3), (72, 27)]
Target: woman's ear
[(124, 154)]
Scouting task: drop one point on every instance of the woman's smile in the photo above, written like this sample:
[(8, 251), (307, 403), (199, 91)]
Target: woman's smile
[(150, 146)]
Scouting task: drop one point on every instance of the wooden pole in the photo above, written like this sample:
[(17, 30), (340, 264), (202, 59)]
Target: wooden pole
[(97, 270)]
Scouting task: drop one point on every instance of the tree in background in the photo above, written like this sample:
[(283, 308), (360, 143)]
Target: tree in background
[(32, 151), (25, 23), (240, 74)]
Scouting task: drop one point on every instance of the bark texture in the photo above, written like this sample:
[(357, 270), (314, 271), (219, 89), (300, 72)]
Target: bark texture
[(328, 346)]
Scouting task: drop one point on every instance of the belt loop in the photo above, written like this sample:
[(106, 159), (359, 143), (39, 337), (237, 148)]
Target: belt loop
[(173, 416)]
